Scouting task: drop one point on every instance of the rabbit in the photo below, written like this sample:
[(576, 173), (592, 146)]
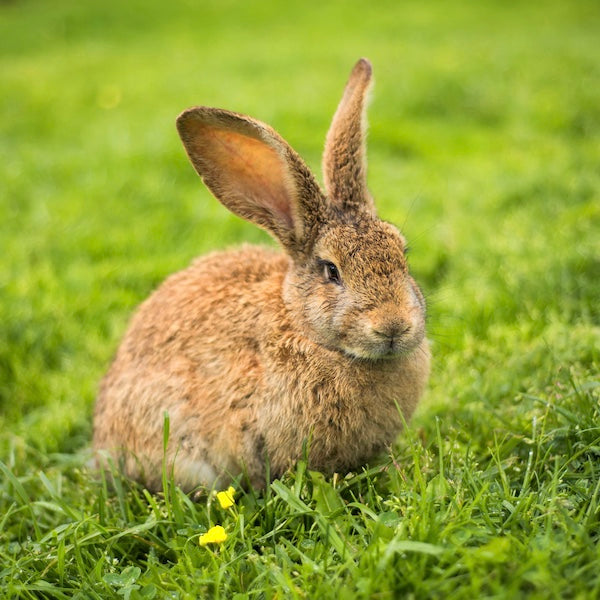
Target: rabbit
[(255, 354)]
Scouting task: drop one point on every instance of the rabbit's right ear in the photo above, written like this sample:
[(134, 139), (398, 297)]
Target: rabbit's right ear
[(344, 160), (253, 172)]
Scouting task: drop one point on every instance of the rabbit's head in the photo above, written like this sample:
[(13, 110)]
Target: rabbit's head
[(348, 284)]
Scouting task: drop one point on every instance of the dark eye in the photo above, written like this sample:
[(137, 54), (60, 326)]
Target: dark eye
[(331, 272)]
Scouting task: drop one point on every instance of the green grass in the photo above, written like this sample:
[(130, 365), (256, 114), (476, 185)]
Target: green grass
[(484, 148)]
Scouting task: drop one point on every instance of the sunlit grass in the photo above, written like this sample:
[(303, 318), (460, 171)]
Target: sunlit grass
[(484, 148)]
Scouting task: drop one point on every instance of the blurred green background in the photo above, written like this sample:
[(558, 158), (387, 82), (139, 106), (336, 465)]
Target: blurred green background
[(484, 148)]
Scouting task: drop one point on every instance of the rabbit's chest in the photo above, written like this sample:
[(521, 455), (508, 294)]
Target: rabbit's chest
[(346, 411), (344, 423)]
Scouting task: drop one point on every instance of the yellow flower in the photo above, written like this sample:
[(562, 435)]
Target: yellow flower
[(215, 535), (226, 498)]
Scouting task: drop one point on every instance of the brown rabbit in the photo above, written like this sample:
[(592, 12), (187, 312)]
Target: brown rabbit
[(251, 352)]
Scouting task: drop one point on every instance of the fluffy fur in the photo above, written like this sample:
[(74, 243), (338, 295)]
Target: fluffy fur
[(253, 352)]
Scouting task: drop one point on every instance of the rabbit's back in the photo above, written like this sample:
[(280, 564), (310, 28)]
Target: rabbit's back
[(182, 355)]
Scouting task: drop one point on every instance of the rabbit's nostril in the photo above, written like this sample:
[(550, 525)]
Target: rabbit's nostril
[(392, 332)]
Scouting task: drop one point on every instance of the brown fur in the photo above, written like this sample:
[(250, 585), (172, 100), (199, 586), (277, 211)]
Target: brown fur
[(344, 161), (253, 352)]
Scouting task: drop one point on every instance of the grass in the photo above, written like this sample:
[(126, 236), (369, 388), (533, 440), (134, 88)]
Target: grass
[(484, 148)]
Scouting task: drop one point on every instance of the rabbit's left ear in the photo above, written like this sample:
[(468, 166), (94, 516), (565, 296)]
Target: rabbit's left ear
[(344, 160), (254, 173)]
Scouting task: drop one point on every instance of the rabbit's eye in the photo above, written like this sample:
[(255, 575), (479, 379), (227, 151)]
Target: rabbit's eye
[(331, 272)]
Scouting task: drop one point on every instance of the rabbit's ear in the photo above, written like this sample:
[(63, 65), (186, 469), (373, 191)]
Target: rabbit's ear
[(344, 160), (254, 173)]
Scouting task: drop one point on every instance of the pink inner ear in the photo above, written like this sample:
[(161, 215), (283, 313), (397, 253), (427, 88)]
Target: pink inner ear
[(247, 168)]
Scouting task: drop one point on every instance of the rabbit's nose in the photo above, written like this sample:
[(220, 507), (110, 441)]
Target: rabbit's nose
[(392, 331)]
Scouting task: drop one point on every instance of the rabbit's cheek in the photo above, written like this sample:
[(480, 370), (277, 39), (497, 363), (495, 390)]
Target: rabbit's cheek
[(418, 300), (355, 337), (323, 310), (320, 320)]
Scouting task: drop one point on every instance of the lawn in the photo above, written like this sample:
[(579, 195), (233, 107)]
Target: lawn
[(484, 147)]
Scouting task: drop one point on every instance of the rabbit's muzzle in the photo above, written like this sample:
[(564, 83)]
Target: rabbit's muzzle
[(392, 329)]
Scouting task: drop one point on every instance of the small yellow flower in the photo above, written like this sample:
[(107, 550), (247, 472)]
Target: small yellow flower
[(215, 535), (226, 498)]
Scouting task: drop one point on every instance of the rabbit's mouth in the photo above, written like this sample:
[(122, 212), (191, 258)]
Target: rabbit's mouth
[(385, 345)]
